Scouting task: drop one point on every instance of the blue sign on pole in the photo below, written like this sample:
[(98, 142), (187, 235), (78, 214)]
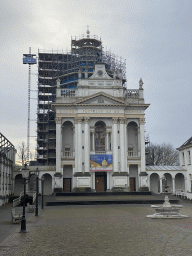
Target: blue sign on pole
[(28, 59)]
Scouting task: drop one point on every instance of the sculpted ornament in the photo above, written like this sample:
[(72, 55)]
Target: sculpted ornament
[(79, 120), (115, 119), (122, 120), (142, 120), (76, 120), (58, 82), (58, 120), (86, 120)]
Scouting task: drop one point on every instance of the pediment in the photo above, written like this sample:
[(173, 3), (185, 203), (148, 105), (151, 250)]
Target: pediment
[(100, 73), (101, 98)]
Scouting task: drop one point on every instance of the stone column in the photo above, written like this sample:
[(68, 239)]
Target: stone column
[(142, 144), (76, 144), (93, 141), (87, 144), (139, 177), (186, 188), (122, 143), (149, 183), (125, 146), (107, 142), (139, 140), (115, 146), (173, 185), (58, 144), (93, 181), (108, 181), (128, 176), (79, 139), (161, 185)]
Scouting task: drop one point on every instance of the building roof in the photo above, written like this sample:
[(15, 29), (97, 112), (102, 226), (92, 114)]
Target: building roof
[(164, 168), (187, 143)]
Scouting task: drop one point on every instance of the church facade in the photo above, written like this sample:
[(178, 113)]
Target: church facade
[(100, 138)]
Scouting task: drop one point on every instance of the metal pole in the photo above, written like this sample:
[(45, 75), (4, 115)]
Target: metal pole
[(23, 220), (42, 186), (37, 186), (28, 121)]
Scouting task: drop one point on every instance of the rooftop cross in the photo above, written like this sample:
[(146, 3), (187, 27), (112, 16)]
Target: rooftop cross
[(88, 32)]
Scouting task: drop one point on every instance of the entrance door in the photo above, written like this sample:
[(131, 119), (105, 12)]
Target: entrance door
[(67, 184), (132, 184), (100, 181)]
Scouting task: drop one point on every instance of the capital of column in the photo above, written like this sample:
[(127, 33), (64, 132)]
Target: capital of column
[(78, 120), (122, 120), (86, 120), (58, 120), (142, 120), (115, 119)]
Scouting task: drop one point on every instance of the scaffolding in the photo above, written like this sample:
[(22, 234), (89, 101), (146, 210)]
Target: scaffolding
[(86, 51)]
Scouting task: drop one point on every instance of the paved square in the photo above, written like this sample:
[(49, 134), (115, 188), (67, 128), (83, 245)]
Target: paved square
[(101, 230)]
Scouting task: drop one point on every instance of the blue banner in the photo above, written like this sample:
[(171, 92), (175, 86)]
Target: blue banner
[(101, 162)]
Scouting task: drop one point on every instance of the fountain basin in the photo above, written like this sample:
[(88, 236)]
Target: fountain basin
[(167, 211)]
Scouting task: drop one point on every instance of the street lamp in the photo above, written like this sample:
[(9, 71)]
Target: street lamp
[(37, 191), (42, 188), (25, 175)]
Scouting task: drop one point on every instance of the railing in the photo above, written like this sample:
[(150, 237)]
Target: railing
[(100, 152), (183, 194), (132, 154), (18, 200), (180, 192), (132, 94), (41, 156), (67, 154)]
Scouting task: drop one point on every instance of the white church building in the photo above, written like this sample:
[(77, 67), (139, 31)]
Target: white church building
[(100, 138), (100, 142)]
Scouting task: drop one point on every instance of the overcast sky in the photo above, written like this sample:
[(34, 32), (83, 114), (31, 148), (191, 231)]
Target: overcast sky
[(154, 36)]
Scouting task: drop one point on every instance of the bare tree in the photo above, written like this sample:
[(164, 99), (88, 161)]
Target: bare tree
[(22, 153), (163, 154)]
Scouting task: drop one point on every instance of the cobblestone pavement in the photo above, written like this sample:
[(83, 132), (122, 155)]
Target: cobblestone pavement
[(101, 230)]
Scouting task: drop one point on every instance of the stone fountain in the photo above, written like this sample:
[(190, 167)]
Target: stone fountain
[(167, 211)]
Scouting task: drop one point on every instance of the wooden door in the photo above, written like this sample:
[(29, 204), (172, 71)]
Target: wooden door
[(67, 185), (132, 184), (100, 183)]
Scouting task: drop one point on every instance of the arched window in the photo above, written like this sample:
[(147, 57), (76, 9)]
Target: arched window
[(132, 139), (100, 132)]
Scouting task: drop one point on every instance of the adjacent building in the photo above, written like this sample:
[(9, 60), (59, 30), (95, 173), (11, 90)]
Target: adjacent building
[(185, 152), (7, 164)]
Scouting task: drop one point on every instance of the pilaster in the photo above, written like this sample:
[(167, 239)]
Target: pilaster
[(79, 134), (87, 144), (142, 143), (122, 143), (115, 146), (58, 144), (76, 143)]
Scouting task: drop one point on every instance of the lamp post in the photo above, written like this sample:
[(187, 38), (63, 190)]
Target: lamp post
[(25, 174), (37, 191), (42, 188)]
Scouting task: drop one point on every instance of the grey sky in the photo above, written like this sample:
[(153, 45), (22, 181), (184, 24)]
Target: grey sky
[(153, 36)]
